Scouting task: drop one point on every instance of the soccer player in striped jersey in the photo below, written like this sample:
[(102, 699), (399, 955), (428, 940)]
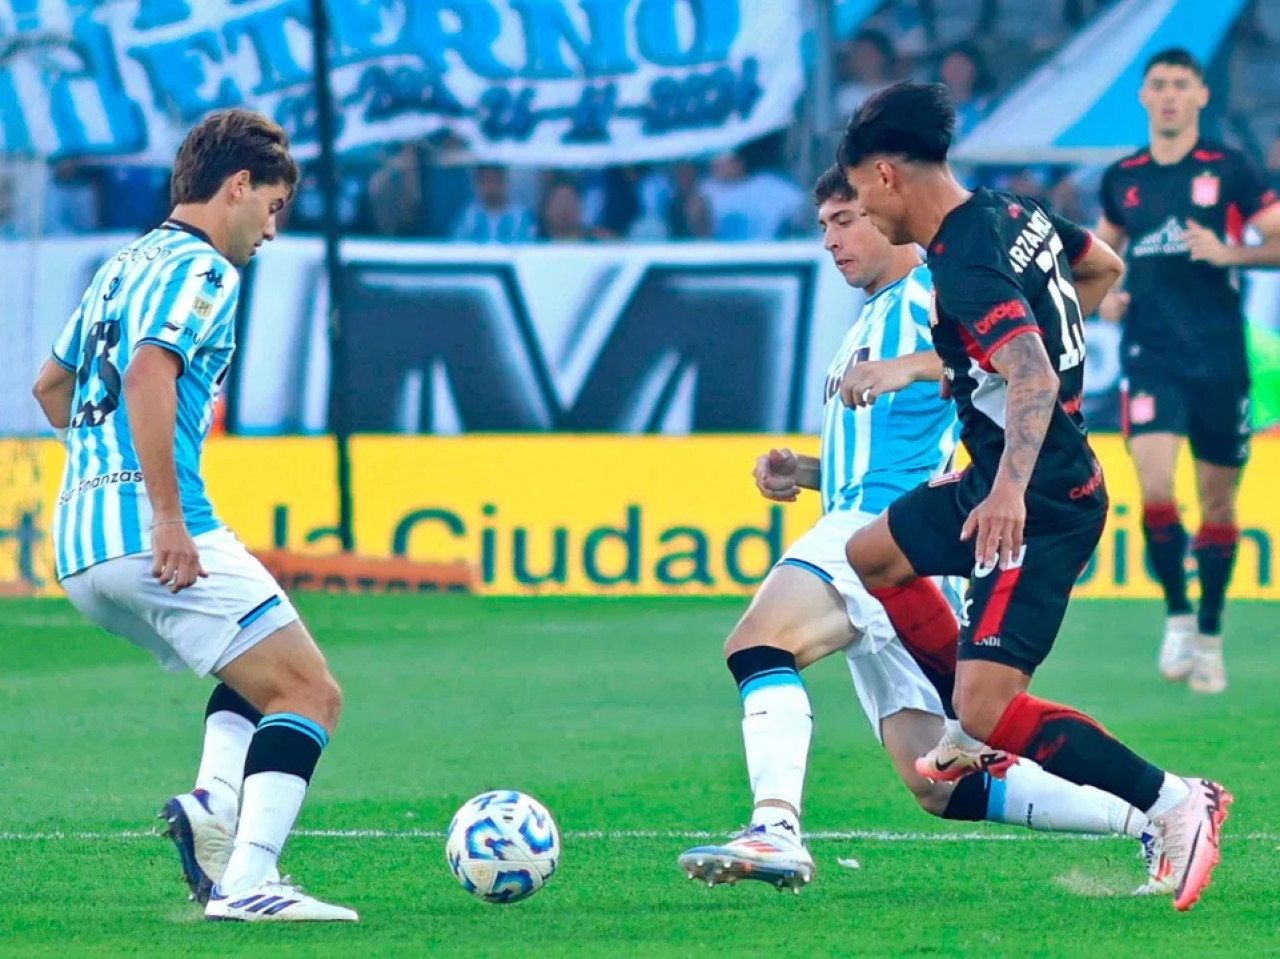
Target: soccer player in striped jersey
[(885, 429), (131, 387)]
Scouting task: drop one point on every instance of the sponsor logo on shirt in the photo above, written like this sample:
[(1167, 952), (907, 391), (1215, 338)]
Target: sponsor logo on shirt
[(94, 482), (1169, 240), (1131, 198), (1011, 310)]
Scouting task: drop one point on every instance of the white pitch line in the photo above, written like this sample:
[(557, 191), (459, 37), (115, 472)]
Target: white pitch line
[(857, 835)]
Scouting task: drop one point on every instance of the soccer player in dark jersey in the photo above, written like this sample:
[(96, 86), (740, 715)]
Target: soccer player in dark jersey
[(1181, 205), (1011, 286)]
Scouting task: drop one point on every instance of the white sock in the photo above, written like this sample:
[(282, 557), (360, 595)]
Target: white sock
[(221, 773), (267, 813), (1039, 800), (1172, 792), (960, 737), (776, 728)]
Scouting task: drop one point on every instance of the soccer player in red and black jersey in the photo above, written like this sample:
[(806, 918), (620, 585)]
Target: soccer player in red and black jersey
[(1011, 286), (1181, 205)]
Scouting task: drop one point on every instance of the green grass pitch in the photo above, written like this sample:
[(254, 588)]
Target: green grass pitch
[(621, 717)]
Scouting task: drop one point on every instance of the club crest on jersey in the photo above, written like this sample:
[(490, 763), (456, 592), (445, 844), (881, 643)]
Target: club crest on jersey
[(1142, 409), (202, 308), (1204, 190)]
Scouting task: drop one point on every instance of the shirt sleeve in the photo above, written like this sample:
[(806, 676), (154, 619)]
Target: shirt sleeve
[(1248, 188), (66, 348), (196, 300), (1076, 240), (977, 290), (919, 300), (1110, 208)]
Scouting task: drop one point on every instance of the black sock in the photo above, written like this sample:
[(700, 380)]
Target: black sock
[(286, 743), (747, 664), (224, 699), (968, 800), (1167, 551), (1215, 549)]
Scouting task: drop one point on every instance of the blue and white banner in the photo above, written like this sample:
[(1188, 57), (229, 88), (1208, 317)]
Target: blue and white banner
[(532, 82), (1082, 106)]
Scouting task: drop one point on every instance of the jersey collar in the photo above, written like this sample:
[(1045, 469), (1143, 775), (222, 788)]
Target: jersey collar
[(885, 289), (185, 227)]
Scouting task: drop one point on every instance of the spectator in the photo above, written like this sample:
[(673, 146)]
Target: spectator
[(70, 200), (688, 213), (613, 203), (397, 204), (306, 213), (133, 198), (865, 65), (491, 217), (560, 216), (748, 199), (964, 71)]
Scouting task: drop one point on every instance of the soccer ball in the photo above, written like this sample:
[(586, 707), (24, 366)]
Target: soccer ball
[(502, 846)]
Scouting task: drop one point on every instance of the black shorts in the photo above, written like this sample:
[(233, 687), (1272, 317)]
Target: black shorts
[(1212, 414), (1011, 616)]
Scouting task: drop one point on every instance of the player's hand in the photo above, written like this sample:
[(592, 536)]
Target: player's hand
[(1114, 306), (1205, 246), (998, 523), (176, 562), (775, 476), (864, 382)]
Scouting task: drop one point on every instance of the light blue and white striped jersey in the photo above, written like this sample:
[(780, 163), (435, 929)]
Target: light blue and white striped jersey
[(871, 456), (170, 288)]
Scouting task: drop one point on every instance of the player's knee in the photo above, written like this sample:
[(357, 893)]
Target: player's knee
[(1218, 509), (328, 701), (1157, 487), (748, 634), (876, 567)]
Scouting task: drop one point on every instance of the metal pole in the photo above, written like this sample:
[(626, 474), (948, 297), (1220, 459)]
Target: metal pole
[(824, 82), (327, 171)]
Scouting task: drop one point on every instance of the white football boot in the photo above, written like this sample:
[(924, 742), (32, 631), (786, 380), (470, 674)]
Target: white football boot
[(202, 838), (274, 900), (1160, 878), (1191, 832), (1178, 647), (1208, 672), (770, 853)]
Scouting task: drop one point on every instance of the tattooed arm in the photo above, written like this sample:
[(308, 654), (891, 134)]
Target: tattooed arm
[(1031, 398), (1032, 394)]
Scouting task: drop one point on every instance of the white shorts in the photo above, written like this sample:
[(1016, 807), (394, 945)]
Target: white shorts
[(885, 677), (889, 681), (821, 552), (202, 628)]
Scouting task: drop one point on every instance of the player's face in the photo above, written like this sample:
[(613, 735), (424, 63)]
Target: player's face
[(859, 250), (875, 184), (1173, 98), (253, 217)]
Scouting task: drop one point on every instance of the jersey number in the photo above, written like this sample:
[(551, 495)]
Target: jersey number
[(1064, 298), (98, 373)]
